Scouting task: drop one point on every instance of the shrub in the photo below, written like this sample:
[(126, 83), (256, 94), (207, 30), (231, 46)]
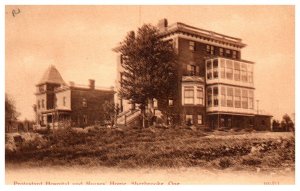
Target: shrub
[(225, 163), (207, 129), (44, 131), (251, 161)]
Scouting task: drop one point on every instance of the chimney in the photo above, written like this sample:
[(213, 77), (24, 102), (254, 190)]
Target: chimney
[(132, 34), (72, 83), (92, 84), (162, 24)]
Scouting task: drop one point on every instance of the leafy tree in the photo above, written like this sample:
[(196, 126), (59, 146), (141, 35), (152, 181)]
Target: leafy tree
[(275, 125), (148, 63), (286, 123), (11, 113)]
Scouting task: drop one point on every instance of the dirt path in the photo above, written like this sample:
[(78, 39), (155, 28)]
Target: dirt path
[(256, 135), (108, 176)]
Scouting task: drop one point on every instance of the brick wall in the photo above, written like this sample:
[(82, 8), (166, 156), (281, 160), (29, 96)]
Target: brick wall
[(93, 111)]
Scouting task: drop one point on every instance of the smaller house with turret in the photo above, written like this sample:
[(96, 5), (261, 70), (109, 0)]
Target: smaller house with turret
[(59, 104)]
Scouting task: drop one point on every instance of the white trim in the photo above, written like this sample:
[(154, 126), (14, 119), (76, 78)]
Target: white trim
[(173, 36), (225, 80), (195, 86)]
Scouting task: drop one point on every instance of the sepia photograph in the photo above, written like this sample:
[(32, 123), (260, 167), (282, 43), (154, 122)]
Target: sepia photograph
[(149, 95)]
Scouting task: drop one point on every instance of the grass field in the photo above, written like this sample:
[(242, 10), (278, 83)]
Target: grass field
[(158, 148)]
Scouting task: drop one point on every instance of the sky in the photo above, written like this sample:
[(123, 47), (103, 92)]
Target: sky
[(79, 40)]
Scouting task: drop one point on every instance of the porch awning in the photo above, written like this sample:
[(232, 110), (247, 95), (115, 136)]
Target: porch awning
[(56, 110), (229, 113)]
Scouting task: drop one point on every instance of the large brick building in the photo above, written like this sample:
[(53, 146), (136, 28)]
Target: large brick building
[(215, 85), (61, 104)]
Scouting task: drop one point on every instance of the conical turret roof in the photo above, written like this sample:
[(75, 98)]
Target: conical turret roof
[(51, 76)]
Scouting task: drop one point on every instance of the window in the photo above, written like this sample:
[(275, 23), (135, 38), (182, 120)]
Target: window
[(216, 92), (199, 96), (227, 52), (250, 73), (200, 122), (193, 94), (209, 70), (229, 97), (210, 49), (189, 95), (250, 77), (64, 101), (221, 51), (43, 103), (222, 68), (237, 71), (171, 103), (192, 70), (155, 103), (209, 97), (251, 98), (244, 72), (237, 98), (192, 45), (189, 119), (55, 101), (39, 104), (223, 96), (85, 119), (233, 54), (229, 69), (84, 102), (244, 99), (215, 68)]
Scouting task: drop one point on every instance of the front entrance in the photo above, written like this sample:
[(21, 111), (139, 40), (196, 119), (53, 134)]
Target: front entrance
[(55, 119)]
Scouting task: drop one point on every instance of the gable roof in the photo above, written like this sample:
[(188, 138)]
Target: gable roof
[(51, 76)]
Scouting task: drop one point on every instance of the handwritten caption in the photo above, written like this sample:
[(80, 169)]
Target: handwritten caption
[(15, 12)]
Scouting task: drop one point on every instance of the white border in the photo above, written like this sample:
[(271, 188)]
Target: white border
[(135, 2)]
